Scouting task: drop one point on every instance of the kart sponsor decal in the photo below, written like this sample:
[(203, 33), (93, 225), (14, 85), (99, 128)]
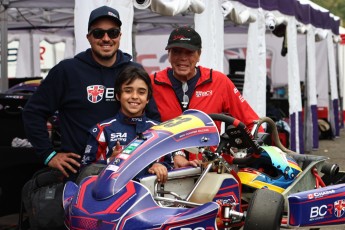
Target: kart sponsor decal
[(95, 93), (230, 200), (320, 212), (180, 124), (317, 195), (123, 156), (339, 208), (132, 146), (112, 167), (197, 131)]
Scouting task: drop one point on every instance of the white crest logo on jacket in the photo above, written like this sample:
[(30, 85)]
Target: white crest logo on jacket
[(95, 93)]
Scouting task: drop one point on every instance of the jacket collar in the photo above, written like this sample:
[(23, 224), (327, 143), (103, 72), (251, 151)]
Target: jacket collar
[(161, 77), (138, 122)]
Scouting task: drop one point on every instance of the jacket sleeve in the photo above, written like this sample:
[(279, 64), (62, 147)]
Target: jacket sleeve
[(167, 161), (151, 110), (238, 107), (95, 151), (42, 105)]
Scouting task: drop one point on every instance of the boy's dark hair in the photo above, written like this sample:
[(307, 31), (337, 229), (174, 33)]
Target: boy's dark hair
[(128, 75)]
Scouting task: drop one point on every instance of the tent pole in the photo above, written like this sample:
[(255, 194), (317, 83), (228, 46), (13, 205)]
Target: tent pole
[(134, 48), (32, 65), (3, 46), (339, 80), (305, 104)]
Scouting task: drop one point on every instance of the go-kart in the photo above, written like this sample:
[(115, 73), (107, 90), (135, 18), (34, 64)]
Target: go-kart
[(243, 182)]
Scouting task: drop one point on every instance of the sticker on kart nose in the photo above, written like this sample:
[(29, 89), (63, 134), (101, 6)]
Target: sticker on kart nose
[(132, 146), (180, 124)]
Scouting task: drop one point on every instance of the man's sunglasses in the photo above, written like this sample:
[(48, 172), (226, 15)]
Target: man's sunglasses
[(99, 33)]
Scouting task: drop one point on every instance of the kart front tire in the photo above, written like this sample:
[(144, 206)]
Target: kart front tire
[(265, 210)]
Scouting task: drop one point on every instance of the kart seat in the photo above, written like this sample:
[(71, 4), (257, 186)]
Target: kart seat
[(208, 188), (304, 160), (180, 181)]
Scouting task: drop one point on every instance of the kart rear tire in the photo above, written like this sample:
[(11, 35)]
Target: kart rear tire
[(265, 210)]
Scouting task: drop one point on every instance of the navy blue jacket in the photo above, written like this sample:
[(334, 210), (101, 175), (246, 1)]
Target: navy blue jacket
[(82, 91)]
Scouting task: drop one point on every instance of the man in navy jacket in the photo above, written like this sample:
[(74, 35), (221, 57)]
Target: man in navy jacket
[(81, 89)]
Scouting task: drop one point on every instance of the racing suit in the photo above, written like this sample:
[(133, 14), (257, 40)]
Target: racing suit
[(82, 91), (104, 136)]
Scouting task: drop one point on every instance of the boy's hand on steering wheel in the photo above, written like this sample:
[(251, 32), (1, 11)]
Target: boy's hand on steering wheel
[(181, 161), (161, 172)]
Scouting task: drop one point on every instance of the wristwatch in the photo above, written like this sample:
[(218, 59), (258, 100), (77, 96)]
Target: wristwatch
[(179, 153)]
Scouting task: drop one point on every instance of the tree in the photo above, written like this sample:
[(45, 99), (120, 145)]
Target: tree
[(337, 7)]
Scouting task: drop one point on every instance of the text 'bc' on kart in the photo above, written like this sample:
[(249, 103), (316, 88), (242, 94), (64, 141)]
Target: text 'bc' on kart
[(243, 183)]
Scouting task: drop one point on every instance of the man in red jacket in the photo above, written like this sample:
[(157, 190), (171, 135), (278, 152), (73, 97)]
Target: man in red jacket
[(185, 85)]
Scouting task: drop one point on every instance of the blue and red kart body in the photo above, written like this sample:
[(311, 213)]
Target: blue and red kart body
[(319, 207), (113, 200), (134, 208)]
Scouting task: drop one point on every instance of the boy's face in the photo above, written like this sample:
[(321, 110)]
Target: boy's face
[(133, 98)]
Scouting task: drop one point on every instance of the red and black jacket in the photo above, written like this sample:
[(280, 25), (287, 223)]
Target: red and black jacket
[(214, 93)]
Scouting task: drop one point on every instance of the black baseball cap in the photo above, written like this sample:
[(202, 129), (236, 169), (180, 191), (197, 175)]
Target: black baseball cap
[(184, 37), (104, 12)]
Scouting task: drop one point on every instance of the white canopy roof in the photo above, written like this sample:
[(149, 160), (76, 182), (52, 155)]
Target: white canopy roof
[(58, 18)]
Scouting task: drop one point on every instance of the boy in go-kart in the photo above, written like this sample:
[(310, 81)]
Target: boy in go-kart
[(133, 91)]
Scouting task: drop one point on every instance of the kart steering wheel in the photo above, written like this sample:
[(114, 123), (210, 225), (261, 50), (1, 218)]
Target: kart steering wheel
[(237, 135)]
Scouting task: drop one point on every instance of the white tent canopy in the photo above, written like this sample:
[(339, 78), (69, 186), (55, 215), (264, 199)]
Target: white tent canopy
[(61, 20), (298, 16)]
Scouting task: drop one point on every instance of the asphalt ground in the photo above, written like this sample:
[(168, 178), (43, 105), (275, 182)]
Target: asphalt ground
[(334, 149)]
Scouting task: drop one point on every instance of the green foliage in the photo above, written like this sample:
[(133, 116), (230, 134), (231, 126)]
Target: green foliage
[(337, 7)]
